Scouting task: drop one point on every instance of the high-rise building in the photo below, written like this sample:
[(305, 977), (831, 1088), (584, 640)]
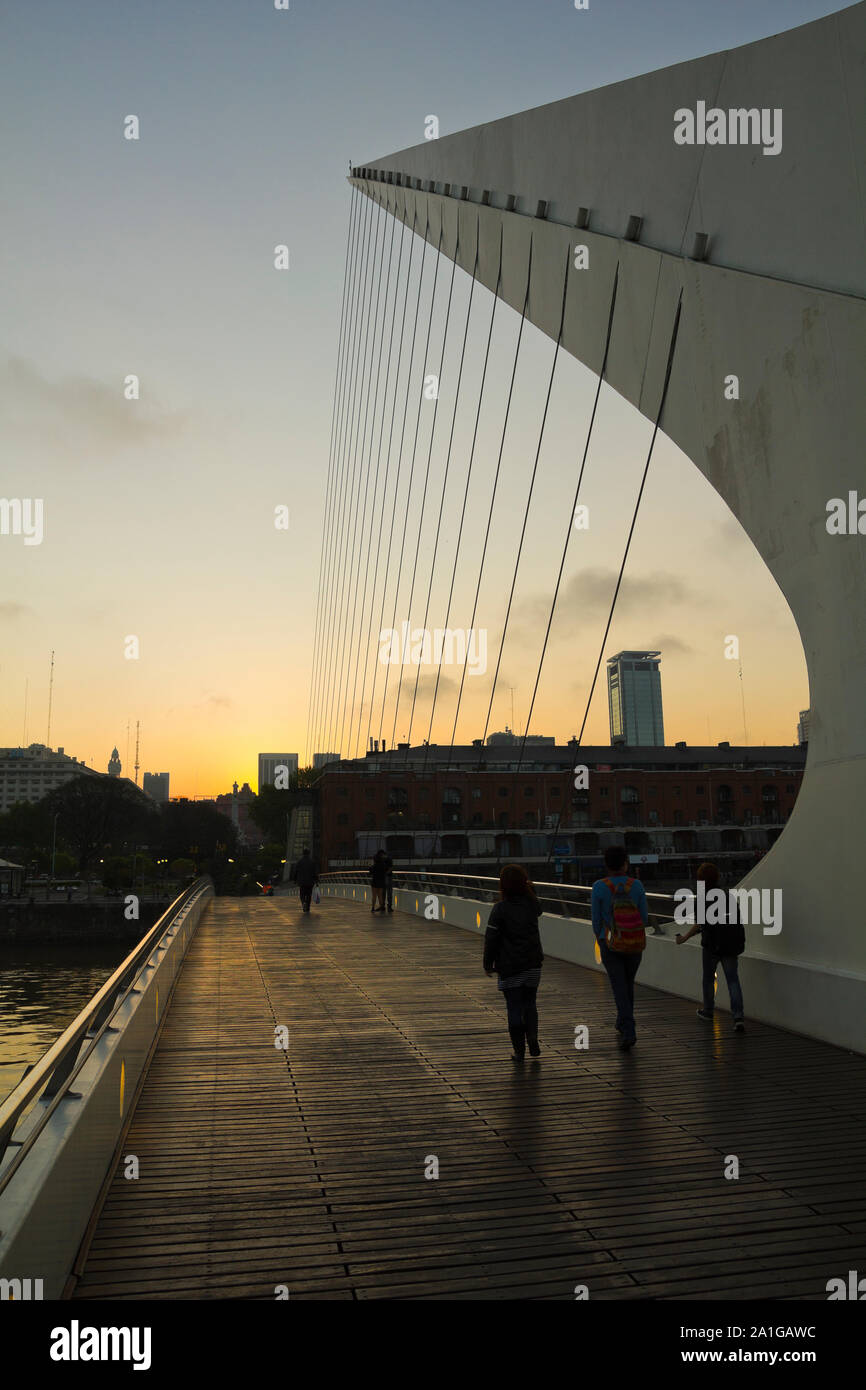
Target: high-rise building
[(269, 763), (28, 774), (634, 693), (803, 726), (320, 759), (156, 786)]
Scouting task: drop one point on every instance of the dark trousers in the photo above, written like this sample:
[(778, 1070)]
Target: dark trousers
[(522, 1013), (621, 970), (305, 891), (389, 892), (729, 965)]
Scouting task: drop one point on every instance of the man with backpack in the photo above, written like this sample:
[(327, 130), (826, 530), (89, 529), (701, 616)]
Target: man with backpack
[(619, 918)]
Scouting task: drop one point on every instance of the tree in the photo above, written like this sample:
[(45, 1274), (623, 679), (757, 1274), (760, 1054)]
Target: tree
[(25, 829), (96, 812), (269, 859), (270, 811), (117, 873), (195, 830)]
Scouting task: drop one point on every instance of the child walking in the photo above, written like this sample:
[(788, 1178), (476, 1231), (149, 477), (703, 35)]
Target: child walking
[(512, 948)]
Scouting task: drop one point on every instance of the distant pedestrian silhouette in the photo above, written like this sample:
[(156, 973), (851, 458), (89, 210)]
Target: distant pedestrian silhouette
[(305, 875), (389, 882), (378, 877)]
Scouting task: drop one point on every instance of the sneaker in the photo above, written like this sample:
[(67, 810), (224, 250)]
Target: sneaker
[(625, 1043), (534, 1049), (739, 1026), (702, 1013)]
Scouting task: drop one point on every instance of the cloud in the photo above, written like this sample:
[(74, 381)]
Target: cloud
[(669, 645), (210, 702), (79, 409), (584, 603), (427, 684)]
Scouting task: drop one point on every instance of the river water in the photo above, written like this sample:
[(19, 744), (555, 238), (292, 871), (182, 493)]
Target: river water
[(41, 991)]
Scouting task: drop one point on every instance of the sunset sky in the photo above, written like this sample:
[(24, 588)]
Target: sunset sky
[(155, 257)]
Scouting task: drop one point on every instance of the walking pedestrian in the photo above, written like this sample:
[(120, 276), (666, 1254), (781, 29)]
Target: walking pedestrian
[(619, 918), (723, 940), (512, 949), (305, 875), (377, 881), (389, 882)]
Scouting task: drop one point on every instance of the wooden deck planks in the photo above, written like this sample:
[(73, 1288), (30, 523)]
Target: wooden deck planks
[(260, 1167)]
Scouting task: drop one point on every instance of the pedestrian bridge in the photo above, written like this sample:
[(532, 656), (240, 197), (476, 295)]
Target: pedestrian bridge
[(391, 1149)]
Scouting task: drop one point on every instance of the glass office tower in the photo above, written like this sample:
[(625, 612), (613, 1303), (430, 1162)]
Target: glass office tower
[(634, 694)]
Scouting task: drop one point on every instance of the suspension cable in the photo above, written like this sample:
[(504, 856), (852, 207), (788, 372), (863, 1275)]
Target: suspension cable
[(468, 479), (437, 264), (445, 476), (569, 526), (330, 466), (351, 511), (489, 520), (667, 377), (377, 547), (388, 467), (363, 510), (347, 411), (415, 440), (424, 493), (346, 325), (528, 497)]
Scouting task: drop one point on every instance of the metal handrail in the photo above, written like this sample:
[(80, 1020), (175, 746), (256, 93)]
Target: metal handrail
[(54, 1073), (663, 913)]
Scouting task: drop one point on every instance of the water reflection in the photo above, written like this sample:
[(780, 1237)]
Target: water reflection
[(41, 991)]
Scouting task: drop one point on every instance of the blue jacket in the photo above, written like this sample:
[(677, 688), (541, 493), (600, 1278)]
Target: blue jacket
[(602, 902)]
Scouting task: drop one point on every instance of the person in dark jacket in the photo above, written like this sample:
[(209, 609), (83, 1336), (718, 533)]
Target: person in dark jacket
[(389, 882), (512, 948), (378, 875), (722, 940), (304, 874)]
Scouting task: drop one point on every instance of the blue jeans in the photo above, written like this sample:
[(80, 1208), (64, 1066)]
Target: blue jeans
[(522, 1013), (621, 970), (729, 965)]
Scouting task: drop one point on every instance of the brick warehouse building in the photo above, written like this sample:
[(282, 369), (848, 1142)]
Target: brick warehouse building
[(471, 807)]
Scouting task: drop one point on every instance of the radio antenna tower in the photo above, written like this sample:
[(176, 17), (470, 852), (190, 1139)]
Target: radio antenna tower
[(137, 727), (50, 697), (743, 700)]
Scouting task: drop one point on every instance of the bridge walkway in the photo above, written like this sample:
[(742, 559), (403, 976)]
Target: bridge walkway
[(261, 1167)]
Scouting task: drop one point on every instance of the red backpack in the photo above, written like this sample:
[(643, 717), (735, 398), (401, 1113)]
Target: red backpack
[(626, 930)]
